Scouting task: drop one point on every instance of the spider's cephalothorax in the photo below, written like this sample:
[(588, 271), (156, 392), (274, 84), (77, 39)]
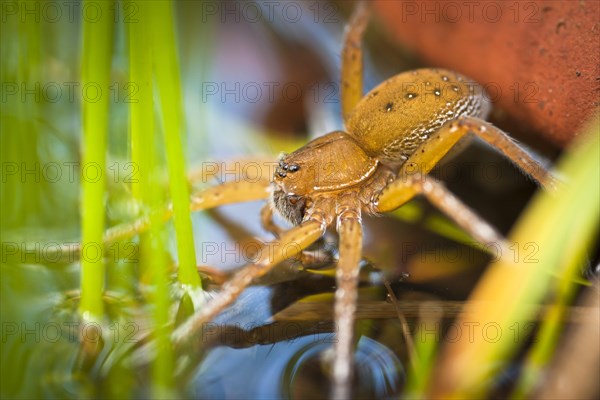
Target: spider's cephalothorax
[(325, 168)]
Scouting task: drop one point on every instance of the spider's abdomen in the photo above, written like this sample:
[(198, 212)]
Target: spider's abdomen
[(394, 118)]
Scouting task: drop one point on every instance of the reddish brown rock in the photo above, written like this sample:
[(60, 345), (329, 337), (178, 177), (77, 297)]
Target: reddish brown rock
[(540, 60)]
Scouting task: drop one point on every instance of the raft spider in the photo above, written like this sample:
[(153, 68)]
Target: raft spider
[(394, 136)]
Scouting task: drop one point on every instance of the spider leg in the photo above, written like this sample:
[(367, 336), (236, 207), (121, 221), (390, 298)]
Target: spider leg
[(244, 188), (266, 220), (249, 169), (350, 230), (229, 193), (226, 193), (405, 187), (442, 141), (306, 257), (289, 244), (352, 63)]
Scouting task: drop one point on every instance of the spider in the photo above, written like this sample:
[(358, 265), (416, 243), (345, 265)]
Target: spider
[(394, 136)]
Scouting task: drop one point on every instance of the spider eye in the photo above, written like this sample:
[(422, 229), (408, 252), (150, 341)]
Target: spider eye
[(283, 168)]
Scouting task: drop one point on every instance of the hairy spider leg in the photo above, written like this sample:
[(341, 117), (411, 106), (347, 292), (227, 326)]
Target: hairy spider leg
[(407, 186), (237, 191), (412, 181), (441, 142), (290, 243), (249, 169), (306, 257), (220, 195), (349, 218), (352, 62), (266, 220), (229, 193), (349, 228)]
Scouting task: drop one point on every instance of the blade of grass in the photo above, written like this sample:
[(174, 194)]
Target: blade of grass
[(426, 339), (141, 129), (573, 373), (141, 109), (565, 289), (541, 353), (19, 197), (562, 226), (148, 193), (155, 254), (22, 68), (121, 380), (169, 86), (96, 66)]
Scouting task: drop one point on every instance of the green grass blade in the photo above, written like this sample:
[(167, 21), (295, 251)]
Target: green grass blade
[(543, 350), (162, 366), (141, 109), (564, 289), (141, 119), (169, 86), (426, 340), (562, 226), (147, 192), (96, 67), (142, 155)]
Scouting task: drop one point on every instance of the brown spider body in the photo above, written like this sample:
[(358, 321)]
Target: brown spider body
[(384, 130), (327, 167), (397, 116)]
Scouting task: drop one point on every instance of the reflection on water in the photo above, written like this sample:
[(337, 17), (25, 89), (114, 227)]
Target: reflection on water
[(294, 368)]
